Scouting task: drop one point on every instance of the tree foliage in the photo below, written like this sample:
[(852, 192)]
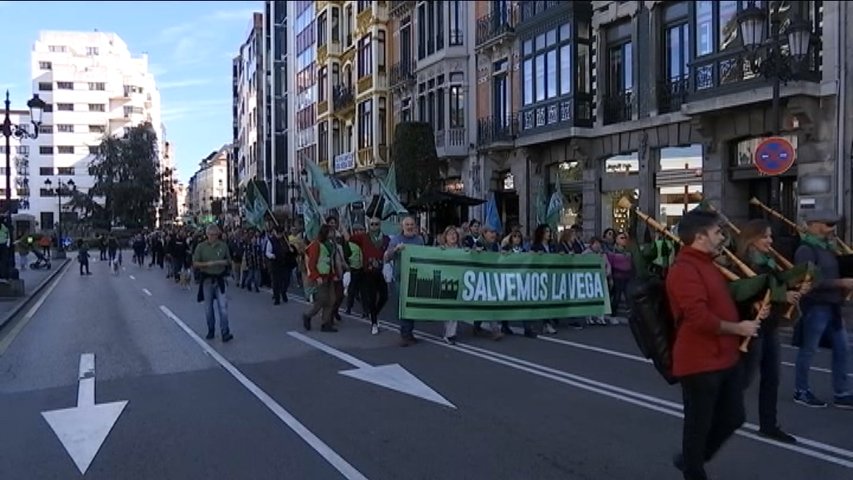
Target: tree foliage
[(125, 171), (413, 153)]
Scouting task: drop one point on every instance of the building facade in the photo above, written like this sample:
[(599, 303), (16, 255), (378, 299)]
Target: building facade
[(93, 87), (207, 193), (250, 159), (302, 134), (277, 102)]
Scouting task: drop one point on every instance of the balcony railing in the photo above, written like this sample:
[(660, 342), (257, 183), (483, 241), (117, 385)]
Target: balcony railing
[(496, 130), (451, 142), (574, 111), (531, 10), (672, 93), (402, 73), (343, 97), (496, 26), (618, 107), (398, 8)]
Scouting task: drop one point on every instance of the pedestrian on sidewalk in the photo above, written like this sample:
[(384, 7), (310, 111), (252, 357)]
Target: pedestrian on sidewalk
[(212, 260), (705, 353), (83, 257)]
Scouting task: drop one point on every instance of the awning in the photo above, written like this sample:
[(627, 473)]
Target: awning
[(437, 197)]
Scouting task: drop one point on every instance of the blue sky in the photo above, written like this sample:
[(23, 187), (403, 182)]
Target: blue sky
[(190, 46)]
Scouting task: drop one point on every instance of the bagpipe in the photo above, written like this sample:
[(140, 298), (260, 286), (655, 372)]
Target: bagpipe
[(770, 287)]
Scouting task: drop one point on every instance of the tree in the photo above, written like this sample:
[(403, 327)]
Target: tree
[(125, 171), (413, 153)]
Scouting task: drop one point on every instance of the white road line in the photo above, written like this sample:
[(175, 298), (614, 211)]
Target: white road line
[(147, 292), (348, 471), (132, 277), (6, 341), (331, 351), (86, 378), (818, 450)]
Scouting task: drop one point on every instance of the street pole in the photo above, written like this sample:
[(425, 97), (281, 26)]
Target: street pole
[(776, 113), (59, 246), (9, 270)]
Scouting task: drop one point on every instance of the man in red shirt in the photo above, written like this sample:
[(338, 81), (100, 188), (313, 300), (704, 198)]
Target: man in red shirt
[(374, 290), (705, 354)]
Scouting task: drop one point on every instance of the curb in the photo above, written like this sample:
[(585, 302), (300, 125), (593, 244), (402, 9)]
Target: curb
[(15, 311)]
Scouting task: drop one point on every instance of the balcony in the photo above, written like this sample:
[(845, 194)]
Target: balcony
[(496, 27), (322, 107), (398, 8), (343, 98), (365, 84), (672, 94), (731, 71), (618, 107), (557, 114), (497, 132), (452, 142), (402, 74), (369, 157)]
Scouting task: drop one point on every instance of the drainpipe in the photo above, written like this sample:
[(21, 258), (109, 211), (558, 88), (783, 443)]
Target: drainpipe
[(841, 113)]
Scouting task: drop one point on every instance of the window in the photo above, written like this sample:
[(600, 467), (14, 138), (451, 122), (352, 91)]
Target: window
[(48, 107), (65, 171), (98, 86), (322, 27), (365, 124), (457, 101), (677, 53), (439, 26), (456, 23), (91, 51), (45, 150), (362, 5), (65, 149), (93, 149), (322, 84), (46, 171), (383, 122), (65, 107), (45, 86), (500, 92), (547, 65), (57, 48), (704, 27), (65, 85), (728, 23), (421, 31), (97, 107), (22, 149), (46, 129), (380, 50), (323, 142), (620, 73), (97, 129), (365, 57), (336, 25), (65, 128), (45, 66)]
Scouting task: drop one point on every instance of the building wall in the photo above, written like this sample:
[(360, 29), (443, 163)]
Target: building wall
[(250, 143), (304, 90), (94, 86), (210, 182), (278, 65)]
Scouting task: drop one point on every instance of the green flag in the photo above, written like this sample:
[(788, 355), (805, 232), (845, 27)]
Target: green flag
[(749, 288), (329, 195)]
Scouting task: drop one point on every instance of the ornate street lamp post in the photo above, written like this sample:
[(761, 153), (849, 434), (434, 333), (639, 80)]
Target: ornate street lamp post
[(36, 106)]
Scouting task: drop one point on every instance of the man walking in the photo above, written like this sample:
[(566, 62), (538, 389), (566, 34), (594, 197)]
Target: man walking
[(705, 354), (409, 236), (374, 289), (821, 309), (282, 259), (212, 259)]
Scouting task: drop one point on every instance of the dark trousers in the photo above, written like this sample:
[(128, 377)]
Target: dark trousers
[(4, 261), (280, 279), (356, 289), (374, 293), (713, 411), (84, 265), (764, 358)]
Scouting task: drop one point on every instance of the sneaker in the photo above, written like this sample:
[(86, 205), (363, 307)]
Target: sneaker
[(549, 329), (844, 401), (407, 341), (210, 335), (374, 330), (450, 340), (227, 338), (777, 434), (807, 399)]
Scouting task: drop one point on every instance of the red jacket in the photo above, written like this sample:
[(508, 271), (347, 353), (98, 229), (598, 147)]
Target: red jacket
[(312, 255), (699, 298), (369, 250)]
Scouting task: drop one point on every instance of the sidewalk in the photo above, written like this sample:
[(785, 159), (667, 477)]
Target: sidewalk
[(34, 282)]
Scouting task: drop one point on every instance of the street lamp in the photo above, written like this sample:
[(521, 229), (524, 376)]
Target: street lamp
[(60, 186), (767, 57), (36, 106)]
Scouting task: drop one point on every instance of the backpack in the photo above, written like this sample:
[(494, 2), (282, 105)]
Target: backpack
[(652, 324)]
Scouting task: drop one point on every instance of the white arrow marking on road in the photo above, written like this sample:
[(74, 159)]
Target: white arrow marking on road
[(132, 277), (391, 376), (83, 429), (146, 292)]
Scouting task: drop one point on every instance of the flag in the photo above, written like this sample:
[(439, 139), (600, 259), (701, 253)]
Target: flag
[(491, 217), (256, 206), (331, 192), (539, 206), (310, 212), (554, 213)]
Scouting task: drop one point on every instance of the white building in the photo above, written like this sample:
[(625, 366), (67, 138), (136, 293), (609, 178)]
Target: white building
[(209, 184), (248, 111), (93, 87)]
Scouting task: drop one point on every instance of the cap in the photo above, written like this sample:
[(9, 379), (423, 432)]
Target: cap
[(822, 216)]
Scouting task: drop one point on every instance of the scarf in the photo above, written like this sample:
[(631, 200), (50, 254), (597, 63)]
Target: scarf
[(763, 260), (816, 241)]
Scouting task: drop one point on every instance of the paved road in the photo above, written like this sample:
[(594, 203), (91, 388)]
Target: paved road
[(273, 403)]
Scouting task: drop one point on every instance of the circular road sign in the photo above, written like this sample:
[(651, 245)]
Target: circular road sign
[(774, 156)]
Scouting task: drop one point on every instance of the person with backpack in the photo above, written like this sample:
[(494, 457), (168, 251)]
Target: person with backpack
[(705, 354), (754, 243)]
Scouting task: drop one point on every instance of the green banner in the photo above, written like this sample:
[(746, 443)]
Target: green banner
[(462, 285)]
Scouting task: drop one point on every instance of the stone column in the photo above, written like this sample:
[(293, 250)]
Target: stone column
[(592, 197)]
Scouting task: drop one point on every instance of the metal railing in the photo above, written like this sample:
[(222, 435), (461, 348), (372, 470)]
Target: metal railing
[(343, 97), (491, 130), (495, 25), (618, 107), (402, 72)]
